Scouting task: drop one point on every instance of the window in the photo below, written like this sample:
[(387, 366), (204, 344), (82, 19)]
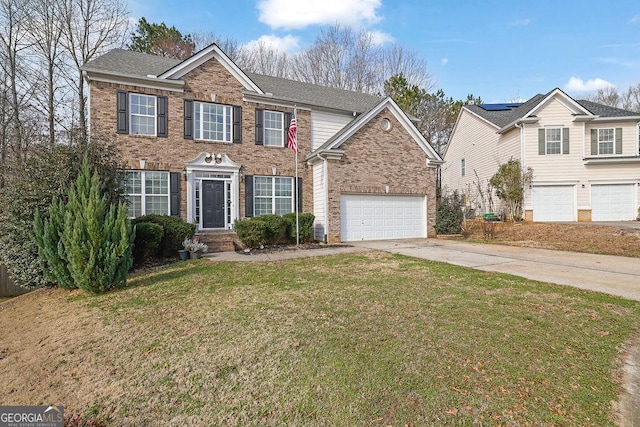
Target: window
[(273, 129), (147, 193), (143, 114), (606, 139), (272, 195), (212, 122), (462, 167), (553, 140)]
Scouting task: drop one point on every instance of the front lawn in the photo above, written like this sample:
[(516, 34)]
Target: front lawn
[(368, 339)]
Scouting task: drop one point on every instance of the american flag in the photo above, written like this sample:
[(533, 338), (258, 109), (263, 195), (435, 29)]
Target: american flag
[(292, 137)]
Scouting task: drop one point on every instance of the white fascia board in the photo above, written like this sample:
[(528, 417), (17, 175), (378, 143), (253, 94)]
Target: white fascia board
[(481, 118), (146, 82), (212, 51), (616, 119), (268, 99), (568, 100), (517, 122), (399, 115)]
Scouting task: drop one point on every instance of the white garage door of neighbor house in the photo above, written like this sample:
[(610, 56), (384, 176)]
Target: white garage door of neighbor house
[(553, 203), (613, 202), (376, 217)]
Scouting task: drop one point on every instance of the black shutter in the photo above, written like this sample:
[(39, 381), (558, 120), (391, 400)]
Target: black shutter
[(565, 140), (122, 112), (259, 126), (299, 194), (175, 193), (248, 196), (237, 124), (188, 119), (618, 139), (541, 142), (594, 142), (287, 123), (162, 117)]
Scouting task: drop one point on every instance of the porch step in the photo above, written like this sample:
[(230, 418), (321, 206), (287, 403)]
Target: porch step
[(219, 240)]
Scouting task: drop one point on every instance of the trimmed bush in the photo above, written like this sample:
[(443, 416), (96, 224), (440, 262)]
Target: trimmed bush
[(305, 224), (251, 232), (175, 230), (449, 214), (275, 229), (147, 243)]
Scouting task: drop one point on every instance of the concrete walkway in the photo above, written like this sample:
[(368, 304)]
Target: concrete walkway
[(614, 275)]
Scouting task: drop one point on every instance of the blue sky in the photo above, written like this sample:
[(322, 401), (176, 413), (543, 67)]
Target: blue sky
[(499, 50)]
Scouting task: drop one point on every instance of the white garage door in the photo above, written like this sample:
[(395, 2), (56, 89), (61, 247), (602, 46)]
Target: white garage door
[(553, 203), (613, 202), (375, 217)]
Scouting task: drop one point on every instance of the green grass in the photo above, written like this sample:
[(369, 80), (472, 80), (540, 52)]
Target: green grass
[(370, 339)]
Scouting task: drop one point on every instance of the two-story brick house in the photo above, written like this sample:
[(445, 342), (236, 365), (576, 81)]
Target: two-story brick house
[(585, 156), (205, 140)]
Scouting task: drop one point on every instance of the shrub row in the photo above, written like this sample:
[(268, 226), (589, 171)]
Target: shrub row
[(269, 230), (159, 236)]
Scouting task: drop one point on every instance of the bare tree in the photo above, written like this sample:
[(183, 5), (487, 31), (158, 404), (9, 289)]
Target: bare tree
[(262, 58), (45, 31), (229, 46), (17, 91), (91, 28)]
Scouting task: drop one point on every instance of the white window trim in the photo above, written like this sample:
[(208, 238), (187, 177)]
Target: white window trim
[(273, 193), (227, 120), (613, 142), (155, 115), (546, 140), (143, 191), (280, 129)]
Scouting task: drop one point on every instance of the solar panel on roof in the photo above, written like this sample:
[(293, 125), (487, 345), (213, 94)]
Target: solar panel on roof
[(499, 107)]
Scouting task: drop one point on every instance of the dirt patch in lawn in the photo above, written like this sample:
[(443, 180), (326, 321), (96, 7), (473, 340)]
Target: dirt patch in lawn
[(596, 239)]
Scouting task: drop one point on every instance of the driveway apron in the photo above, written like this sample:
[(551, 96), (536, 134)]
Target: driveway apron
[(614, 275)]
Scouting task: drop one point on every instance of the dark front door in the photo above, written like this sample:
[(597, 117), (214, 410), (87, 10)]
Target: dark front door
[(213, 206)]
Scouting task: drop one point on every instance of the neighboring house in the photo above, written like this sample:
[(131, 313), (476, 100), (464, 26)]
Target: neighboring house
[(204, 140), (585, 156)]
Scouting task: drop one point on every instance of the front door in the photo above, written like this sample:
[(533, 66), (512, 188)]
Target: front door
[(213, 204)]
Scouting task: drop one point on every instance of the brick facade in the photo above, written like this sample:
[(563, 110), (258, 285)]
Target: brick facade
[(171, 153), (374, 160)]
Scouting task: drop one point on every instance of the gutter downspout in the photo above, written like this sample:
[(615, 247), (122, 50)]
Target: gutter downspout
[(522, 160), (325, 169)]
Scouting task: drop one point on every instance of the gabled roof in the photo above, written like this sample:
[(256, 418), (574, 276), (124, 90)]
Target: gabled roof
[(334, 143), (129, 64), (505, 117)]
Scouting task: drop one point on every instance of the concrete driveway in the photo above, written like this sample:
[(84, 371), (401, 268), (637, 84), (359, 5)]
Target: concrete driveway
[(603, 273)]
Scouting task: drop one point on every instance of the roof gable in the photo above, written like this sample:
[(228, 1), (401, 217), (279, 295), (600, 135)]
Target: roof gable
[(338, 139), (212, 51)]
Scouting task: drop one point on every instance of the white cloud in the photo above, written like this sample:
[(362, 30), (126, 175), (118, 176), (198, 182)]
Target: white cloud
[(578, 85), (519, 23), (302, 13), (444, 61), (378, 38), (634, 19), (287, 43)]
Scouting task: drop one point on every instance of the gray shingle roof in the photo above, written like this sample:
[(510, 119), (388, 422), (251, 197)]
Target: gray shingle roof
[(137, 64), (604, 110), (322, 96), (505, 117), (130, 63)]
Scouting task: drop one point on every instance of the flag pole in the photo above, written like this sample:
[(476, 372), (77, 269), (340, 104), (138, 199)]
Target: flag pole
[(295, 114)]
